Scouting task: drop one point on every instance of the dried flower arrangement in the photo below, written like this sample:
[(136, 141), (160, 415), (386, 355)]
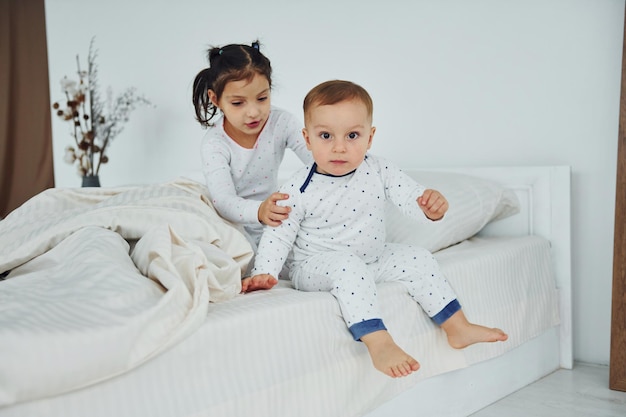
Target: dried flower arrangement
[(94, 124)]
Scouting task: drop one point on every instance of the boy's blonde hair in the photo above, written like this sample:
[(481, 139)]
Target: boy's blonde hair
[(336, 91)]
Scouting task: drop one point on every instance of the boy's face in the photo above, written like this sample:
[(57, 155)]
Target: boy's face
[(338, 135)]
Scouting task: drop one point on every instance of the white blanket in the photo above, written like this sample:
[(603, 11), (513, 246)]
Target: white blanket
[(80, 306)]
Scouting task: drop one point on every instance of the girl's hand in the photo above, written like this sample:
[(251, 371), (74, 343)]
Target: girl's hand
[(258, 282), (272, 214), (433, 204)]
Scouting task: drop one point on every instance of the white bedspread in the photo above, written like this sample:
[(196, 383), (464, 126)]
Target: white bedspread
[(81, 306)]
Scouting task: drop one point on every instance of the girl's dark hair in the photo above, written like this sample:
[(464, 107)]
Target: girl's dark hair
[(234, 62)]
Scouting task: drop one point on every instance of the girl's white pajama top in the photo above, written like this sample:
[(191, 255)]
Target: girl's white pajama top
[(240, 179), (334, 240)]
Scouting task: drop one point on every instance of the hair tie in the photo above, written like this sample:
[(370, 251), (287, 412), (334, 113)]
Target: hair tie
[(220, 51), (255, 45)]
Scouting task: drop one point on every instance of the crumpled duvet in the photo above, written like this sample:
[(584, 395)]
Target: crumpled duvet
[(102, 280)]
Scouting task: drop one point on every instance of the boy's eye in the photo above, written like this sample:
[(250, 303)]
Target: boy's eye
[(353, 135), (263, 98), (236, 103), (325, 135)]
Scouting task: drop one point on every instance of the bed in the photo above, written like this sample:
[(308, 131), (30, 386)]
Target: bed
[(125, 301)]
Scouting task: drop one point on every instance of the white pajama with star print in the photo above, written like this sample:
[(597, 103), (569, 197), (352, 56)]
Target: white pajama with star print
[(240, 179), (337, 232)]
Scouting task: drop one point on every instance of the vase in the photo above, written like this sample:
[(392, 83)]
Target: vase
[(91, 181)]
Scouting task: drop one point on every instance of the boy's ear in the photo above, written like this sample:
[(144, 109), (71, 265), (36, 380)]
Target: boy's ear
[(369, 143), (305, 134), (212, 97)]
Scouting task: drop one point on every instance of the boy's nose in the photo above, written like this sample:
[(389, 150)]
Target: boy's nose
[(339, 145)]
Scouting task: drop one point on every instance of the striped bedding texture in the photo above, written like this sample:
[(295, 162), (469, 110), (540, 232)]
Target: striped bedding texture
[(286, 353), (81, 306)]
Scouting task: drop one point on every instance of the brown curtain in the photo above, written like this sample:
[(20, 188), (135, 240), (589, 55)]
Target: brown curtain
[(26, 166)]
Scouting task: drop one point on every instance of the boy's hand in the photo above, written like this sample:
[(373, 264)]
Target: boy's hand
[(272, 214), (258, 282), (433, 204)]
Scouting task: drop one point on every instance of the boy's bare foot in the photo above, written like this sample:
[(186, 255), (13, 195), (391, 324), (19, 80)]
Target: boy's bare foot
[(461, 333), (387, 357), (258, 282)]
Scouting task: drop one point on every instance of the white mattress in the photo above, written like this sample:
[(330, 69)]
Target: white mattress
[(287, 353)]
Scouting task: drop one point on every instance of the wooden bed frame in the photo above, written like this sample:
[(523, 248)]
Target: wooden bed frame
[(544, 194)]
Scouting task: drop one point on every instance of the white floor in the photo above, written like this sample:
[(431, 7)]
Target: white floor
[(581, 392)]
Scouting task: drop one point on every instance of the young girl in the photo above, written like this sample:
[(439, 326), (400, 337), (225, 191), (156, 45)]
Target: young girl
[(245, 144)]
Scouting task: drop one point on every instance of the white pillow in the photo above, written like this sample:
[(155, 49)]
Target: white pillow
[(473, 202)]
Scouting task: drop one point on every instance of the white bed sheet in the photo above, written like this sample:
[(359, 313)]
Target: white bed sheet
[(285, 353)]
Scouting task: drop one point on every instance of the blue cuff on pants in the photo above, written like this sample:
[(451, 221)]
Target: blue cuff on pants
[(359, 330), (447, 312)]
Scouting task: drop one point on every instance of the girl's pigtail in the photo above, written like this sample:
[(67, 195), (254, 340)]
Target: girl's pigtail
[(213, 54), (204, 108)]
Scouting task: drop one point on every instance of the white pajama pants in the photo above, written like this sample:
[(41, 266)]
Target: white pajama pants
[(353, 282)]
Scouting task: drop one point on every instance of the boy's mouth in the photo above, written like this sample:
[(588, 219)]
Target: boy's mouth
[(253, 125)]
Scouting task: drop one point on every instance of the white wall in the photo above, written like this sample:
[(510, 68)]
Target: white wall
[(454, 82)]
